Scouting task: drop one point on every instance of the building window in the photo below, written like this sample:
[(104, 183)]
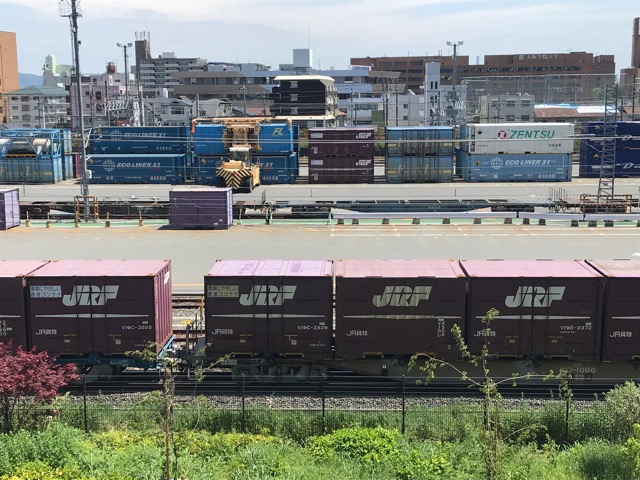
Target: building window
[(526, 103), (294, 110), (511, 118), (294, 97), (524, 118), (177, 110), (494, 103), (24, 99), (511, 104), (294, 84), (25, 108)]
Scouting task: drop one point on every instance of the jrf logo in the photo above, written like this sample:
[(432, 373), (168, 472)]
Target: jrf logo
[(402, 296), (84, 295), (534, 297), (268, 295)]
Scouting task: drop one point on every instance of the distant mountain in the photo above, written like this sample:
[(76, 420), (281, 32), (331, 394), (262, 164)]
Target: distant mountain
[(29, 80)]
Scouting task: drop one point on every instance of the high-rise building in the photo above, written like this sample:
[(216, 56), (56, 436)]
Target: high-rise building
[(9, 80)]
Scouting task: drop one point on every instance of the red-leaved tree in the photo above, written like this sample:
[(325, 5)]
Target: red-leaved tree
[(28, 381)]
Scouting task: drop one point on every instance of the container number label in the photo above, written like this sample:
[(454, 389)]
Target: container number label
[(223, 291), (46, 291)]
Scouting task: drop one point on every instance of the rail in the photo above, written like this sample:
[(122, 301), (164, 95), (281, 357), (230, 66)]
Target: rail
[(477, 217)]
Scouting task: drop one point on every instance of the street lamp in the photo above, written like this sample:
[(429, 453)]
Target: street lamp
[(124, 47), (69, 8), (455, 46)]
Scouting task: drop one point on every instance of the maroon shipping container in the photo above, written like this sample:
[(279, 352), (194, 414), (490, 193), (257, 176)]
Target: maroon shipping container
[(621, 309), (357, 142), (105, 307), (547, 308), (200, 207), (278, 307), (13, 316), (340, 170), (9, 209), (398, 307)]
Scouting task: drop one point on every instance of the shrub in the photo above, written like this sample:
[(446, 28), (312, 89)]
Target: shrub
[(599, 459), (374, 445)]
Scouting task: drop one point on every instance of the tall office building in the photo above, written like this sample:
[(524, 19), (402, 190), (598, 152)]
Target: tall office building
[(9, 80)]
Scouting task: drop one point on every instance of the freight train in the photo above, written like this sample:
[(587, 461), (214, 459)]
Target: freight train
[(482, 152), (300, 318)]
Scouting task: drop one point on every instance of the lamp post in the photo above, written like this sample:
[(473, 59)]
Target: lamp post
[(124, 47), (454, 80), (69, 8)]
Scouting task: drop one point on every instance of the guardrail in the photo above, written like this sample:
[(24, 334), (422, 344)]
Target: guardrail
[(508, 217)]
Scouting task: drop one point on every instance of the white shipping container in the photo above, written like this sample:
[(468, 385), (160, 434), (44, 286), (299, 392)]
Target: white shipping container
[(516, 138)]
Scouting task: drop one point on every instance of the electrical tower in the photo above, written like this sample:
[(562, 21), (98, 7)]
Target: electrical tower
[(605, 201)]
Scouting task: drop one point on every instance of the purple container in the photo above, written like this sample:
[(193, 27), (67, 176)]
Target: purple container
[(107, 307), (398, 307), (192, 207), (13, 315), (275, 307), (9, 209), (547, 309), (621, 306), (340, 169), (357, 142)]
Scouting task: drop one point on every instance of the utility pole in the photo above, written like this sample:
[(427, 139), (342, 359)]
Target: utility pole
[(124, 47), (454, 80), (69, 8)]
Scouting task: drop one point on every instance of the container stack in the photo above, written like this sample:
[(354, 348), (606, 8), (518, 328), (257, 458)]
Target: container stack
[(341, 155), (515, 152), (200, 207), (272, 147), (419, 154), (31, 155), (139, 154), (627, 152), (9, 208), (276, 154)]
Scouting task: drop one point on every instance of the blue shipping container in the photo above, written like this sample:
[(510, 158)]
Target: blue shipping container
[(205, 169), (550, 167), (277, 169), (622, 128), (627, 163), (433, 140), (275, 138), (167, 168), (207, 139), (44, 169), (419, 169), (140, 140)]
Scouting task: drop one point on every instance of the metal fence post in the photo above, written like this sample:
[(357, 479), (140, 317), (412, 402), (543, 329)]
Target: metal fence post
[(243, 421), (403, 404), (84, 402), (566, 419), (324, 419)]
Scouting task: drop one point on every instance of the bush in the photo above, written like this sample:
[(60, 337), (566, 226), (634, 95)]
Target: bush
[(599, 459), (373, 445)]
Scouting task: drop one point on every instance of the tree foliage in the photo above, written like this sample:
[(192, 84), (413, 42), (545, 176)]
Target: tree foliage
[(28, 380)]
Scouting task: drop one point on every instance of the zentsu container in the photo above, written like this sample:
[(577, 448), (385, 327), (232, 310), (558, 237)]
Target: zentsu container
[(517, 138), (13, 314), (621, 306), (547, 309), (9, 208), (272, 307), (398, 307), (192, 207), (100, 307)]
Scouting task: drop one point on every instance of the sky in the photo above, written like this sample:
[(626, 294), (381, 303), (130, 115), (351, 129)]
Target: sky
[(266, 31)]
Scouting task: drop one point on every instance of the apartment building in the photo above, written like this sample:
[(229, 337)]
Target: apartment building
[(38, 107)]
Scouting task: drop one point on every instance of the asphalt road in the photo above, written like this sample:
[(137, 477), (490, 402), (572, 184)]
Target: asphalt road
[(194, 252)]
